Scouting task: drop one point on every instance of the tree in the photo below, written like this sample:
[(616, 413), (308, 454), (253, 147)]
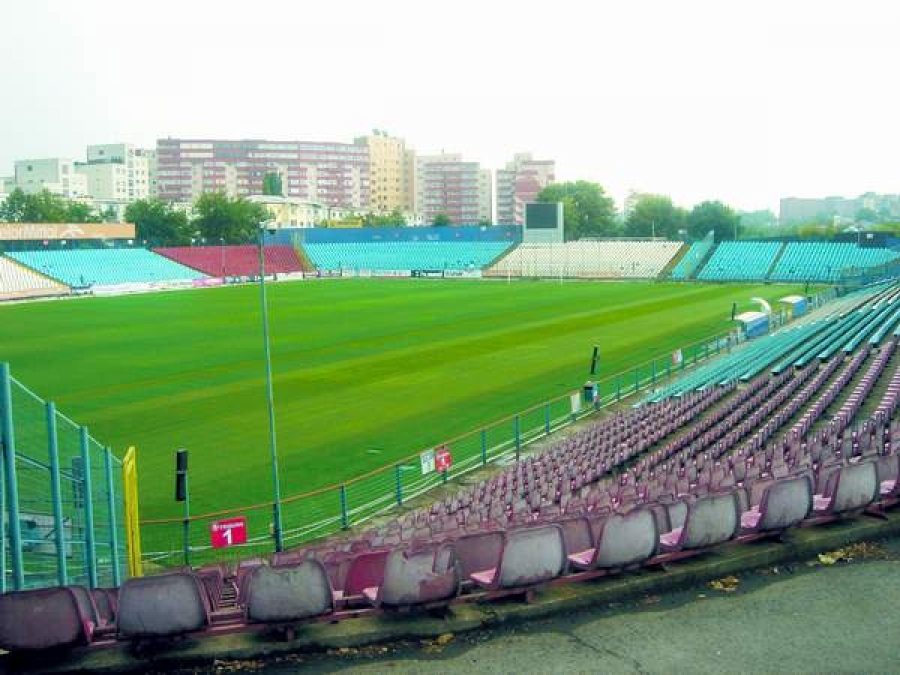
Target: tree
[(654, 215), (272, 184), (587, 210), (441, 220), (158, 222), (45, 207), (76, 212), (235, 220), (866, 215), (13, 209), (484, 222), (723, 220), (393, 219)]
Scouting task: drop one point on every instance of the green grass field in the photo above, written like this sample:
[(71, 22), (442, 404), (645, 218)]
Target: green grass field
[(366, 371)]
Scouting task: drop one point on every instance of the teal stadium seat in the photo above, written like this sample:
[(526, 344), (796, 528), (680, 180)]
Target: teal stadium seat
[(740, 261), (687, 266), (404, 255), (104, 267), (827, 261)]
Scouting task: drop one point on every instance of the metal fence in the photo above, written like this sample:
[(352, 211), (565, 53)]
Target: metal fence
[(61, 498), (308, 516)]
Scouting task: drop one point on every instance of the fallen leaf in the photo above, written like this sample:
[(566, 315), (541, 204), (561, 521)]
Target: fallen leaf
[(727, 584)]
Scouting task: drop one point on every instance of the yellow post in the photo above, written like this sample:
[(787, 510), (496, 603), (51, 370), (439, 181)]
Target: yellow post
[(132, 525)]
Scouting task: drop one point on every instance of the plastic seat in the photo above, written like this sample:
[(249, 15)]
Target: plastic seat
[(785, 503), (528, 556), (416, 578), (163, 605), (289, 593), (710, 520), (50, 618), (619, 540)]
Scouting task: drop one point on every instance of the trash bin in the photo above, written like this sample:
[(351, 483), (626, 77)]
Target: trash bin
[(590, 392)]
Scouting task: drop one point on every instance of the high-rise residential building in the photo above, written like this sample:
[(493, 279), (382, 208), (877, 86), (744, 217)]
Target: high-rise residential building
[(54, 174), (335, 174), (116, 172), (801, 210), (447, 185), (519, 183), (152, 183), (794, 210), (7, 185), (391, 171)]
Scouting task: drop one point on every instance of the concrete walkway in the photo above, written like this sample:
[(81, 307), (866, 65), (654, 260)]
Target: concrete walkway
[(838, 619)]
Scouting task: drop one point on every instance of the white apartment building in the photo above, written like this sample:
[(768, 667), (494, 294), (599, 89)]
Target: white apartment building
[(116, 172), (54, 174)]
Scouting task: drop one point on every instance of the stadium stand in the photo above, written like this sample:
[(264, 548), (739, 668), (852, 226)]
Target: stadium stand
[(706, 465), (82, 268), (740, 261), (404, 255), (696, 254), (234, 261), (588, 259), (17, 281), (827, 261)]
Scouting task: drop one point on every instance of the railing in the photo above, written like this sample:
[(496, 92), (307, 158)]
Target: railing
[(61, 498)]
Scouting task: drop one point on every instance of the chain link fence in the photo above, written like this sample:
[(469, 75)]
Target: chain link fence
[(61, 498)]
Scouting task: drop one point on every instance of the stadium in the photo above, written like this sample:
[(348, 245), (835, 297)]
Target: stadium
[(455, 415)]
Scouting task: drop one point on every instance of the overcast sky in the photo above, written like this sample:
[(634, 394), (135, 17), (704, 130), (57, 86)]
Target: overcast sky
[(740, 101)]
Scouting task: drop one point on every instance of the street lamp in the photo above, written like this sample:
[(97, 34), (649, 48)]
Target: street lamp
[(270, 399)]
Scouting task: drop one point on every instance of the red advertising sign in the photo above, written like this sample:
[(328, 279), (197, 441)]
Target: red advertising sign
[(229, 532), (443, 460)]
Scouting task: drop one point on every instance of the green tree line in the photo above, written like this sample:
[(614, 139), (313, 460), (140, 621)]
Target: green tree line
[(589, 212)]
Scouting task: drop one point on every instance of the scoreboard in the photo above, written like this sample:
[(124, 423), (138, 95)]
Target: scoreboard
[(543, 223)]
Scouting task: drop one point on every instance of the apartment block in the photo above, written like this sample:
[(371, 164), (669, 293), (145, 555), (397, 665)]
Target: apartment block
[(335, 174), (445, 184), (54, 174), (519, 183), (391, 172)]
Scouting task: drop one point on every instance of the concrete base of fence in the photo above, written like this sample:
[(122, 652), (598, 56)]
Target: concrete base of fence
[(798, 544)]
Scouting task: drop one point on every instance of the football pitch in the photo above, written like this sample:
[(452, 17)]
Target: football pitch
[(366, 371)]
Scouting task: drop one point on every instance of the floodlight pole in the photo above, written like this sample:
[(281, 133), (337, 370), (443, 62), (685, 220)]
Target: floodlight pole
[(270, 399)]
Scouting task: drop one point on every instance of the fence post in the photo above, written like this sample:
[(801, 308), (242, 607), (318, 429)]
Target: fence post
[(345, 521), (598, 397), (56, 496), (398, 485), (12, 485), (547, 419), (618, 387), (2, 526), (483, 447), (88, 497), (518, 439), (129, 496), (113, 525), (444, 475), (186, 522)]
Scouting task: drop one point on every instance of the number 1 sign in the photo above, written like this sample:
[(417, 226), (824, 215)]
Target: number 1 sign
[(224, 533)]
